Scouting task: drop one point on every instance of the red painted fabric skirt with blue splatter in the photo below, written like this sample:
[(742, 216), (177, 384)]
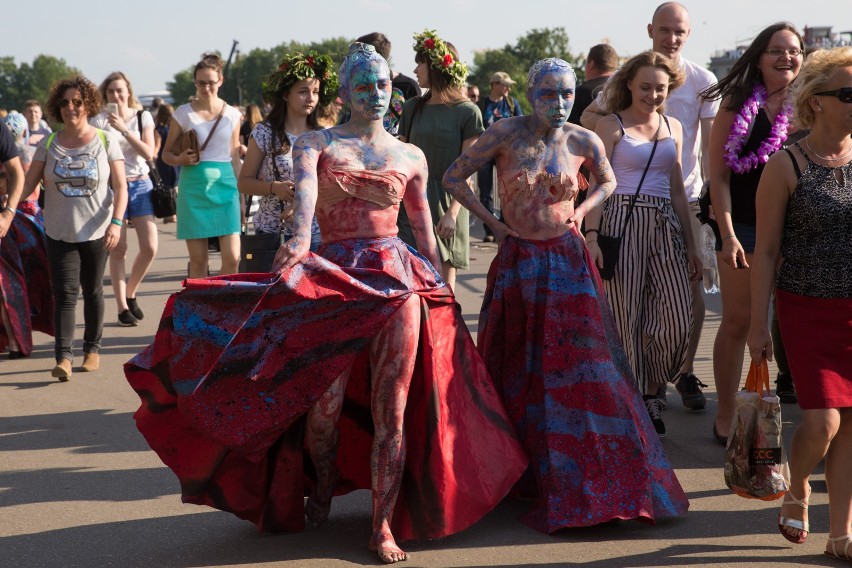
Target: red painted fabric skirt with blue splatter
[(238, 361), (25, 278), (550, 343)]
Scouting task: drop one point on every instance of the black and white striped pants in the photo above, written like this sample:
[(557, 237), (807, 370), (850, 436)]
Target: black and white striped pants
[(650, 292)]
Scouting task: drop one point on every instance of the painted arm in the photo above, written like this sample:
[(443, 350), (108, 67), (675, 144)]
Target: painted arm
[(777, 182), (608, 132), (306, 154), (473, 159), (680, 204), (720, 189), (15, 185), (597, 162), (417, 208), (446, 226)]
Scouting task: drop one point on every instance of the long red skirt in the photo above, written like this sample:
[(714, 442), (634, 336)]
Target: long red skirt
[(25, 278), (817, 336), (238, 361), (551, 345)]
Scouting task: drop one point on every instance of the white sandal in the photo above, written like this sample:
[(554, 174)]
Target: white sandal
[(846, 550), (802, 526)]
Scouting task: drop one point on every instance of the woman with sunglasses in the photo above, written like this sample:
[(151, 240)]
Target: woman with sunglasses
[(208, 204), (804, 215), (82, 169), (751, 125)]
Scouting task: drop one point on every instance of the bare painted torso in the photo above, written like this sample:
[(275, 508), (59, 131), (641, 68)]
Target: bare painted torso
[(538, 182)]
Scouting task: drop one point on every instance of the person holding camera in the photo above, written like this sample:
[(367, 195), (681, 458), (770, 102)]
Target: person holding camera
[(124, 117)]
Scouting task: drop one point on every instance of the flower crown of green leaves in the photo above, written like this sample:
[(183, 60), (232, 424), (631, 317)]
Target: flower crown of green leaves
[(440, 57), (298, 66)]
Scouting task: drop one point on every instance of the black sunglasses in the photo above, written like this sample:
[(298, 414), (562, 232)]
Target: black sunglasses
[(844, 94), (78, 103)]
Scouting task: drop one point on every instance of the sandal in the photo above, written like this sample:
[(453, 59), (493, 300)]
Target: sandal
[(801, 526), (847, 550)]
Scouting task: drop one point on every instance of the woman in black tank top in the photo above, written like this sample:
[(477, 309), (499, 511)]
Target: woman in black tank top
[(751, 124)]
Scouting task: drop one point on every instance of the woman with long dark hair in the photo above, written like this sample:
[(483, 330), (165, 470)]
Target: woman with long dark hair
[(295, 89), (443, 123), (168, 174), (751, 125)]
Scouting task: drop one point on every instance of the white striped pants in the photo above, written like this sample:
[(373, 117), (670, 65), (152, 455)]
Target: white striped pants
[(650, 292)]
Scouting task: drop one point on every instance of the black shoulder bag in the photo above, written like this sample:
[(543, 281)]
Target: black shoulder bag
[(611, 246), (258, 250), (164, 198)]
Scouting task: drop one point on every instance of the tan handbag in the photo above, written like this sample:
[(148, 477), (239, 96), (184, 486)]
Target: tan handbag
[(188, 139)]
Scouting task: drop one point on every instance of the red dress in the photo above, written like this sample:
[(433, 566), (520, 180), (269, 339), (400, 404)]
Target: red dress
[(238, 361)]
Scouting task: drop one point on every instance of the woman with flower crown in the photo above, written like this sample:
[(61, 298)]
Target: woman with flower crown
[(546, 331), (443, 123), (356, 357), (296, 89), (752, 124)]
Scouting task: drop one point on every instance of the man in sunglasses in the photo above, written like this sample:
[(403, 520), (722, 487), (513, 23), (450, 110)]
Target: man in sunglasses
[(14, 174)]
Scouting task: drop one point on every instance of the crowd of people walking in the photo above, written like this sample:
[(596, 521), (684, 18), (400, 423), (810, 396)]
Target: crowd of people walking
[(593, 305)]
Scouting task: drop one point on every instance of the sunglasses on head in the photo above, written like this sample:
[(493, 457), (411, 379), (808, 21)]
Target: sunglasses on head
[(78, 103), (844, 94)]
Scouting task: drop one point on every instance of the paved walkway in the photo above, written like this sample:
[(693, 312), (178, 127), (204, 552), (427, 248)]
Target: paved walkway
[(79, 486)]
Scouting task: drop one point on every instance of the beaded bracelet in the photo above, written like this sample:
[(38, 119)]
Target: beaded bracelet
[(116, 221), (270, 188), (591, 231)]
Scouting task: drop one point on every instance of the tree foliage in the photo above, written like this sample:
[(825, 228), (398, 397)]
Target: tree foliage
[(245, 75), (19, 83), (516, 59)]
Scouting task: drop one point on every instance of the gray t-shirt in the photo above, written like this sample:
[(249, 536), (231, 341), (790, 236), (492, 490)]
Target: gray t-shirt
[(77, 196)]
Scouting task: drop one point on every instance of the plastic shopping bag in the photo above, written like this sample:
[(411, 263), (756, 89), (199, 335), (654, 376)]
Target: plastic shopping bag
[(755, 461)]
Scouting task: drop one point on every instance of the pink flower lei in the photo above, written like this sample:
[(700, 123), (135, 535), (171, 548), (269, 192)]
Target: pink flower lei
[(739, 130)]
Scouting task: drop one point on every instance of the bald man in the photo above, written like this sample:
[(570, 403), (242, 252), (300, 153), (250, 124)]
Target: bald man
[(669, 29)]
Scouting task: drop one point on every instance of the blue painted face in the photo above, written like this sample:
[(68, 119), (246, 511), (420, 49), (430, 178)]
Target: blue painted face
[(553, 96), (369, 89)]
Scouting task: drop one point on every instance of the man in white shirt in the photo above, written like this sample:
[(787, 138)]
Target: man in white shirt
[(669, 29)]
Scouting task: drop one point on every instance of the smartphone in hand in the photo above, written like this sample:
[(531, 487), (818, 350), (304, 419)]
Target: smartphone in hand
[(112, 108)]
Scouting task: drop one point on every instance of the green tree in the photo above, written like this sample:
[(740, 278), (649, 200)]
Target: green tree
[(516, 59), (20, 83)]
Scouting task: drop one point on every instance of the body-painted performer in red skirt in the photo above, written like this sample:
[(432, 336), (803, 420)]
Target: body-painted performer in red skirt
[(545, 330), (347, 369)]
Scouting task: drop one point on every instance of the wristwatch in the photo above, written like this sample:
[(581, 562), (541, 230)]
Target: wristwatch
[(126, 133)]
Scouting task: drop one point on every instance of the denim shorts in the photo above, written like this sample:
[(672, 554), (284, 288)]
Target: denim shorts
[(139, 202)]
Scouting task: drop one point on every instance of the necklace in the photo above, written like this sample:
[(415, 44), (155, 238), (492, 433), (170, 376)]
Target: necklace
[(740, 127), (837, 159)]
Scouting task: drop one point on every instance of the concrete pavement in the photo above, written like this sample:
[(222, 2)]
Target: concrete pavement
[(80, 487)]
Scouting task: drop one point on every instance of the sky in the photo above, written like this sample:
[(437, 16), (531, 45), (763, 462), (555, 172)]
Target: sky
[(152, 40)]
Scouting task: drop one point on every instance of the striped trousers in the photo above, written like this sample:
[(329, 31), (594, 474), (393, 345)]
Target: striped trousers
[(650, 292)]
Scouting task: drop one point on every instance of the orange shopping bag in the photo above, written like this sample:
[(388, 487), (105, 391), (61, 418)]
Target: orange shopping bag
[(755, 461)]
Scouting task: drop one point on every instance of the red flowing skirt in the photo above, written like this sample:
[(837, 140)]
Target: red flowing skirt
[(25, 278), (817, 336), (551, 345), (239, 360)]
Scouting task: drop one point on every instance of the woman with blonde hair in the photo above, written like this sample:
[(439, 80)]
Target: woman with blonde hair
[(804, 220), (208, 204), (252, 119), (135, 127), (443, 123), (649, 290)]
